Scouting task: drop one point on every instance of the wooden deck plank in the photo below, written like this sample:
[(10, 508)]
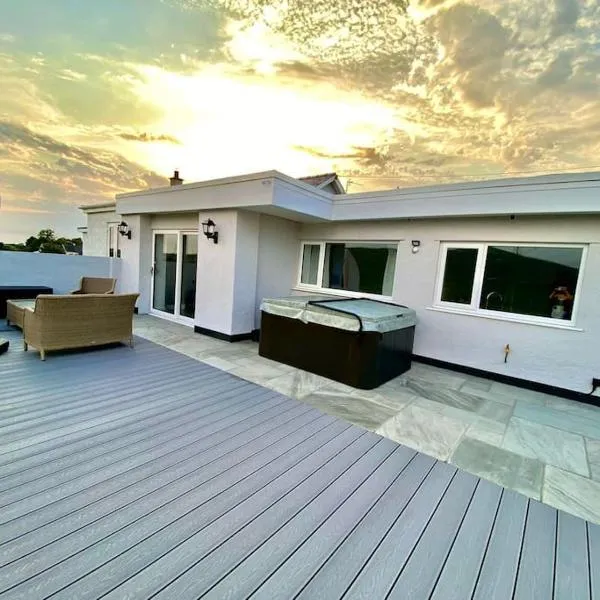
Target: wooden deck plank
[(571, 578), (594, 559), (418, 577), (535, 578), (459, 574), (338, 568), (207, 417), (17, 371), (159, 503), (129, 464), (162, 520), (182, 397), (30, 399), (34, 465), (299, 512), (179, 477), (157, 565), (138, 411), (70, 454), (499, 570), (86, 394), (378, 575), (196, 482), (294, 553), (30, 395), (60, 420)]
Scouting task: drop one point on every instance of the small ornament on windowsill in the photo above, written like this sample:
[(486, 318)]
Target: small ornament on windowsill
[(561, 299)]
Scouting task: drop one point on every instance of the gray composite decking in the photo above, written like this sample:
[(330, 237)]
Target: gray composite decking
[(143, 473)]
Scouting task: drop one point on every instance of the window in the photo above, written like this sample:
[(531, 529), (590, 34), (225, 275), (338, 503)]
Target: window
[(459, 275), (359, 267), (310, 264), (113, 240), (536, 282)]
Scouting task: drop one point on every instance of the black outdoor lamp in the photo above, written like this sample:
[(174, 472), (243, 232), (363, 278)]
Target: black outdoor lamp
[(123, 229), (208, 229)]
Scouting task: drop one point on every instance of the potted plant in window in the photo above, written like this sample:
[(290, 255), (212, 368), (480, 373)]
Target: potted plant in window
[(561, 299)]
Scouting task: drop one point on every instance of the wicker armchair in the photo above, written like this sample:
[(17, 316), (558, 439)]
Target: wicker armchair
[(62, 322), (96, 285)]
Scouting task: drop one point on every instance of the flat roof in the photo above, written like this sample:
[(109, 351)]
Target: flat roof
[(506, 182), (100, 207), (262, 175), (474, 198)]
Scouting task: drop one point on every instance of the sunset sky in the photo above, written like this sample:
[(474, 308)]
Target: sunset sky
[(99, 97)]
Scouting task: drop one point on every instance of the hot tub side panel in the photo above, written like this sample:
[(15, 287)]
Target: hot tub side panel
[(363, 360)]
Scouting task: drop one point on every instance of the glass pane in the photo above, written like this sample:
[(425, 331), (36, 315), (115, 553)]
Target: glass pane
[(165, 272), (189, 259), (111, 241), (459, 274), (529, 280), (357, 268), (310, 264)]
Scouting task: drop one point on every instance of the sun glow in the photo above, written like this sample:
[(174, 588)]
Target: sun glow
[(232, 123)]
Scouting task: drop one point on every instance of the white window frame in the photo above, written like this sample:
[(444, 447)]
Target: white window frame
[(318, 287), (473, 307)]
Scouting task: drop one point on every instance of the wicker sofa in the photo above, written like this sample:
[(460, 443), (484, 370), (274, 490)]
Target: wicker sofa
[(76, 321), (96, 285)]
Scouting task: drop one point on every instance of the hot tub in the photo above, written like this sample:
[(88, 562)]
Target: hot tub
[(357, 341)]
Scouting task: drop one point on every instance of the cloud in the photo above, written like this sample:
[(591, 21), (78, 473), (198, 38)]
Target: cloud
[(70, 75), (365, 156), (565, 16), (66, 172), (323, 153), (558, 72), (21, 210), (387, 91), (365, 42), (471, 36), (475, 42), (430, 3), (149, 137)]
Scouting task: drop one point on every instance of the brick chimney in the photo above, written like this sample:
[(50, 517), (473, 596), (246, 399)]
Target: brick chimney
[(176, 180)]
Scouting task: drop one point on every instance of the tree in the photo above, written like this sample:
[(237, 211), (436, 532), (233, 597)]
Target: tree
[(46, 235), (47, 242), (52, 247), (32, 244)]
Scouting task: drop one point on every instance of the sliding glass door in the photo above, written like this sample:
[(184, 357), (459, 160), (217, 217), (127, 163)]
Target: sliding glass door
[(187, 286), (174, 274)]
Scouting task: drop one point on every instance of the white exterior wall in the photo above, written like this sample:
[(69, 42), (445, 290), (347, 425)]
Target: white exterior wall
[(226, 276), (95, 241), (246, 270), (278, 251), (176, 221), (136, 257), (61, 272), (560, 357)]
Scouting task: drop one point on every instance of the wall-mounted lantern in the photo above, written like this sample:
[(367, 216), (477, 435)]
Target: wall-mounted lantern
[(416, 244), (209, 230), (124, 230)]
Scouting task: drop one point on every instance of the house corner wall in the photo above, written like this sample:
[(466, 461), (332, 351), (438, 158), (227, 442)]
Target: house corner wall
[(246, 266), (136, 261), (95, 241), (278, 251), (226, 273)]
